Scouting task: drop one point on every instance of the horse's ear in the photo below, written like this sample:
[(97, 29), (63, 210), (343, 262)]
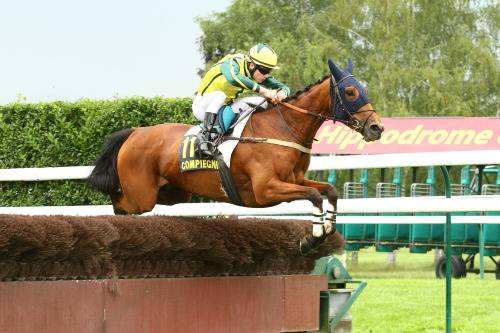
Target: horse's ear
[(336, 72), (350, 66)]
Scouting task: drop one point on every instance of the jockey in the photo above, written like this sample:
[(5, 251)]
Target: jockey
[(232, 75)]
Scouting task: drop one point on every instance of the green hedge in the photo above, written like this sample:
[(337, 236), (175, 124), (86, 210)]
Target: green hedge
[(70, 134)]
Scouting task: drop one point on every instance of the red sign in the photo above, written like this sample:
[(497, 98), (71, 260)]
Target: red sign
[(408, 135)]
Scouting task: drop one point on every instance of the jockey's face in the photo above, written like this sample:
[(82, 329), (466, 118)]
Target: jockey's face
[(257, 75)]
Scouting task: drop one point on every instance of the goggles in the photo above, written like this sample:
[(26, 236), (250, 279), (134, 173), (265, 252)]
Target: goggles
[(263, 70)]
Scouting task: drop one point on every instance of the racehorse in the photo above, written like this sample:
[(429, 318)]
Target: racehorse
[(140, 167)]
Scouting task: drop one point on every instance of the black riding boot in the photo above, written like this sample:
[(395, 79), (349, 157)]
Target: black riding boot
[(209, 131)]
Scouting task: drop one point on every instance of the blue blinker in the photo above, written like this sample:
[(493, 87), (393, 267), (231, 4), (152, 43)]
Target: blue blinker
[(344, 79)]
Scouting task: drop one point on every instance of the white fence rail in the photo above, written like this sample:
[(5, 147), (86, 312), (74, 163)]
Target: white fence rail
[(41, 174), (478, 157), (297, 209), (302, 209)]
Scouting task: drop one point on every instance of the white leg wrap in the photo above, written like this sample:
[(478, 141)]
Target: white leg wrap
[(317, 215), (328, 226), (329, 211), (317, 230), (318, 220)]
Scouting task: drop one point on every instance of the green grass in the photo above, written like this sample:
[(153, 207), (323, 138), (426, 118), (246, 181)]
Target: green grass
[(408, 297)]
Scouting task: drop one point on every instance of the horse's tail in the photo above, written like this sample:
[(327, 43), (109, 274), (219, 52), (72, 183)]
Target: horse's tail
[(104, 177)]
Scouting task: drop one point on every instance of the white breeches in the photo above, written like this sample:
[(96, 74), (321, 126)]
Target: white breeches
[(212, 102)]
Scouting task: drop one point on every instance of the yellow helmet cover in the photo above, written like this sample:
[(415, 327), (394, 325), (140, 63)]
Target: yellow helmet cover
[(263, 55)]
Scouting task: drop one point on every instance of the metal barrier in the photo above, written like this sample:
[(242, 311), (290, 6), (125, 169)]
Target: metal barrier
[(489, 235), (490, 189), (390, 237), (423, 236), (458, 189), (357, 236), (387, 190), (420, 190), (353, 190)]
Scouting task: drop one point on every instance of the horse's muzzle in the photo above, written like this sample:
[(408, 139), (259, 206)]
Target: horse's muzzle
[(373, 132)]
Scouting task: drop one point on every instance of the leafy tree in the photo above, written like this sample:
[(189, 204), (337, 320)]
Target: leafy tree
[(420, 57)]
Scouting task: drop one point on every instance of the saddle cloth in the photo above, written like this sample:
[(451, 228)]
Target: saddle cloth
[(190, 159)]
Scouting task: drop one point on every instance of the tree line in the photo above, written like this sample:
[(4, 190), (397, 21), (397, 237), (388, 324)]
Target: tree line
[(418, 57)]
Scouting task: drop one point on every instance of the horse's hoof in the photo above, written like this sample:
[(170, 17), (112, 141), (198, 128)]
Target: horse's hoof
[(307, 244), (119, 211), (310, 242)]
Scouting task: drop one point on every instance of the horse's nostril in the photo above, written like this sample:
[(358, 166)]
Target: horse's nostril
[(376, 128)]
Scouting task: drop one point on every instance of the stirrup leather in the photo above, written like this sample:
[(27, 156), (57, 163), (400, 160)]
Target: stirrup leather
[(208, 135)]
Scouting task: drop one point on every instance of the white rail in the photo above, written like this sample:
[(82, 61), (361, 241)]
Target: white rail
[(40, 174), (303, 209), (473, 203), (488, 203), (478, 157)]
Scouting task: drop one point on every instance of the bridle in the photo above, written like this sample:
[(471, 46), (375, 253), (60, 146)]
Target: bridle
[(337, 108)]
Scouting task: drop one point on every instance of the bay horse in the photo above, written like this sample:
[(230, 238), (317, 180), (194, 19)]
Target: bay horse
[(139, 167)]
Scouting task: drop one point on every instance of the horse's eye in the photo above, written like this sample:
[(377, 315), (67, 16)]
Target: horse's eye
[(350, 92)]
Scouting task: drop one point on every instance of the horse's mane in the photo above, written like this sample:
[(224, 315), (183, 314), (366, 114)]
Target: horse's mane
[(300, 92)]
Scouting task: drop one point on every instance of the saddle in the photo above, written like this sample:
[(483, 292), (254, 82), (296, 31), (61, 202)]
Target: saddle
[(190, 157)]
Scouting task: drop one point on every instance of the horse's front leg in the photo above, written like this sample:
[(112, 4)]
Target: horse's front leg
[(329, 191), (274, 191), (324, 188)]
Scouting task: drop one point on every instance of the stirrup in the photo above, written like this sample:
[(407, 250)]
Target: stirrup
[(210, 148)]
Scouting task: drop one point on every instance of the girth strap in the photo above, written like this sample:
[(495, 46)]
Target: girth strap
[(228, 181), (271, 141)]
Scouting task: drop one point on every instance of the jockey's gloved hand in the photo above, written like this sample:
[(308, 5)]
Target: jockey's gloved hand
[(280, 95), (268, 93)]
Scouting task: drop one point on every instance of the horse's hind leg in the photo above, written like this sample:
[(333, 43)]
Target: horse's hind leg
[(115, 199), (125, 204), (139, 194), (170, 195)]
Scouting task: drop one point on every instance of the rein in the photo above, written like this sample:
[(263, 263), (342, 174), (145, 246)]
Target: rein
[(314, 114)]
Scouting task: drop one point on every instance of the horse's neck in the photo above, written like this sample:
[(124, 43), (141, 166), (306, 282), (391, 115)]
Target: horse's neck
[(316, 100)]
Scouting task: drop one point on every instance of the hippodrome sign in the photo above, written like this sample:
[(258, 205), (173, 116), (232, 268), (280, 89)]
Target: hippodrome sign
[(407, 135)]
